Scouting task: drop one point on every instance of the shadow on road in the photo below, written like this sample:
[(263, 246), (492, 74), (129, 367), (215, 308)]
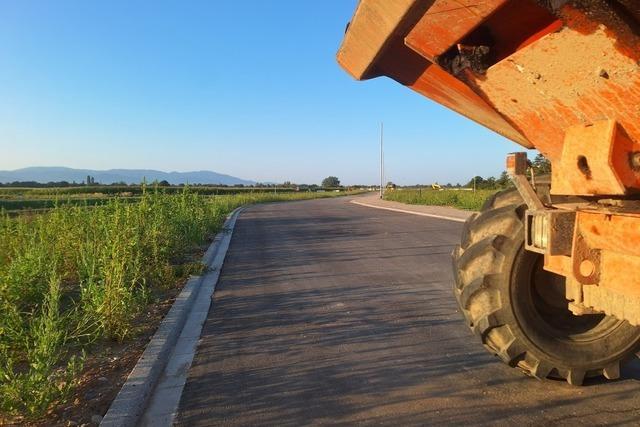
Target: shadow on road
[(331, 313)]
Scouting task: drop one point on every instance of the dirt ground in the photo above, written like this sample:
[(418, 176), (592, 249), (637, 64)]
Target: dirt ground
[(107, 366)]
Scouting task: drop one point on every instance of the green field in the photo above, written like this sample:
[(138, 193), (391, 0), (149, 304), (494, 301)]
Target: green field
[(113, 190), (17, 205), (72, 277), (18, 199), (461, 199)]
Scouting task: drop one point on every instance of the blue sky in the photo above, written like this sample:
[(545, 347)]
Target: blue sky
[(246, 88)]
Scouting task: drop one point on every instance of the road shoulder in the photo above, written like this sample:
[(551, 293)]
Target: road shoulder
[(151, 394), (441, 212)]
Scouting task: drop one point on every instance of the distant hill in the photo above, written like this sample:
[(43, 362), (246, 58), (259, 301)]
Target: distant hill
[(130, 176)]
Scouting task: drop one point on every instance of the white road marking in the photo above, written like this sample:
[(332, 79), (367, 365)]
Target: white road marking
[(448, 218)]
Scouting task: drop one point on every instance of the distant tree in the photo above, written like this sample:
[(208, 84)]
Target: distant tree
[(478, 181), (331, 181), (34, 184), (481, 183), (540, 165), (164, 183), (504, 181)]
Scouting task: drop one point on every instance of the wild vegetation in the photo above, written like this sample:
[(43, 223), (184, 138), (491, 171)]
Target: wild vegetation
[(463, 197), (112, 190), (330, 182), (16, 200), (469, 200), (38, 197), (540, 166), (74, 276)]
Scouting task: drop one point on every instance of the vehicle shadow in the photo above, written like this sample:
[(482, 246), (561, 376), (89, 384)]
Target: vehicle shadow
[(324, 316)]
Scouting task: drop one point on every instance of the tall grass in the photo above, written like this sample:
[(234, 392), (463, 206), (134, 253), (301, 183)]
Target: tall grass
[(115, 190), (469, 200), (75, 275)]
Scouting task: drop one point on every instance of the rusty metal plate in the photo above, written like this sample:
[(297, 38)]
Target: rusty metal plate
[(371, 28), (595, 160), (447, 22), (576, 76)]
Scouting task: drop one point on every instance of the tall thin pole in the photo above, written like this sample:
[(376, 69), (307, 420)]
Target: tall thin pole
[(381, 160)]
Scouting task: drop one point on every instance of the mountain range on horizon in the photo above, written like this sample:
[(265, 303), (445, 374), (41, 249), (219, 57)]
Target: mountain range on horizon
[(44, 174)]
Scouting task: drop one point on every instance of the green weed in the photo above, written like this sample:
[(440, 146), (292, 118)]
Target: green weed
[(469, 200), (76, 275)]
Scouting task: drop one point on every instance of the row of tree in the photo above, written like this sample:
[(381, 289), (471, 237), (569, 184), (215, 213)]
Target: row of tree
[(539, 166), (92, 183)]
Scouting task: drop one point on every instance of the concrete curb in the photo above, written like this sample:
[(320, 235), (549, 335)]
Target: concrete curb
[(133, 398), (448, 218)]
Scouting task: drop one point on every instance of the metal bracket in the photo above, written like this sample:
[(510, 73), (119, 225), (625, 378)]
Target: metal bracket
[(549, 231), (598, 159), (586, 261), (517, 168)]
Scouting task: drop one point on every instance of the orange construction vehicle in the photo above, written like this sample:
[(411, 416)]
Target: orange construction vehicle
[(547, 275)]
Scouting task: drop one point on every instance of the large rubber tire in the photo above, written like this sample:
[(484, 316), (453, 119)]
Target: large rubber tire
[(519, 310)]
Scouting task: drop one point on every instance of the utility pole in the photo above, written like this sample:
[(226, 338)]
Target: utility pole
[(381, 160)]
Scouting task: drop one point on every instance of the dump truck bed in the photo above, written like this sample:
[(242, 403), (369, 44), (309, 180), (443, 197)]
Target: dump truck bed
[(529, 70), (546, 275)]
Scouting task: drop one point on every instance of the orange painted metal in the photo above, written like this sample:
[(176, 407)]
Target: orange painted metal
[(566, 83), (559, 264), (618, 232), (552, 72), (517, 164), (576, 76), (374, 45), (446, 23), (373, 26), (616, 236), (433, 82), (596, 159), (618, 273), (616, 239)]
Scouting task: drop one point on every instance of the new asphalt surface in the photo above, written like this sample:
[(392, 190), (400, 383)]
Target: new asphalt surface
[(332, 313)]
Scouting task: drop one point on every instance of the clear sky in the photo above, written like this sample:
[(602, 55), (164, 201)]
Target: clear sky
[(247, 88)]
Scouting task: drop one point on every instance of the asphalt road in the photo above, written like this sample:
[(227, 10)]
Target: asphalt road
[(333, 313)]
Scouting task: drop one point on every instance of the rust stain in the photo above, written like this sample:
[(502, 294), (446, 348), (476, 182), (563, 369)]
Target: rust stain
[(590, 18), (618, 240), (559, 83), (446, 23)]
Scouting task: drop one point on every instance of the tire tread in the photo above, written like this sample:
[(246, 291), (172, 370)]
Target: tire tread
[(485, 235)]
